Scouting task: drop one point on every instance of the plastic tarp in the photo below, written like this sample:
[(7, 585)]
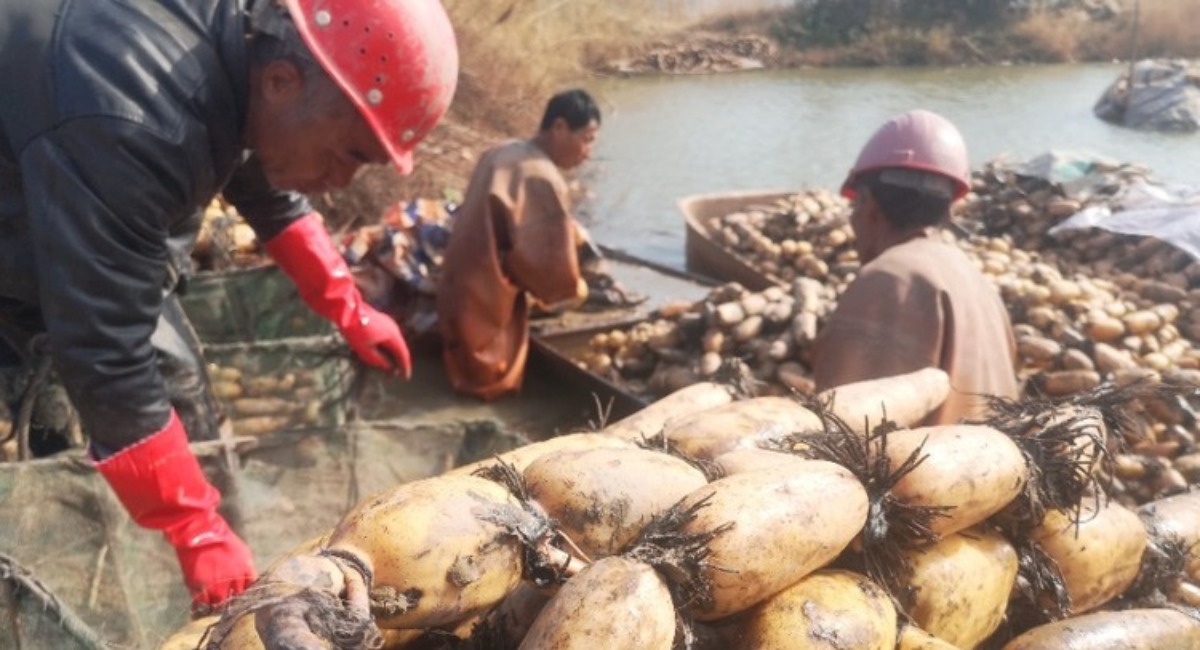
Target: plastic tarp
[(1081, 175), (1119, 198), (1065, 167), (1168, 213), (1163, 96)]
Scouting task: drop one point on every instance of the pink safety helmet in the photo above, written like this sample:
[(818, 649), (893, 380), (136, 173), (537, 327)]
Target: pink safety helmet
[(397, 60), (920, 141)]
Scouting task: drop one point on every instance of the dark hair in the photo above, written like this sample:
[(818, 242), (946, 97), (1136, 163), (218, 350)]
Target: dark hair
[(274, 37), (575, 106), (906, 207)]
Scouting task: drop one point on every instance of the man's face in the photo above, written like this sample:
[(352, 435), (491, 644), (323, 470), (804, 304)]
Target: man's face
[(308, 142), (570, 149)]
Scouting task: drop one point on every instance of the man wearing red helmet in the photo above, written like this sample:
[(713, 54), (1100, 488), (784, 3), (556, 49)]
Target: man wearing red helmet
[(121, 121), (918, 301)]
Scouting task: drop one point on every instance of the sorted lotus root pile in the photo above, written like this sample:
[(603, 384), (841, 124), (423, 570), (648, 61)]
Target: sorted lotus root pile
[(1090, 306), (1097, 305), (770, 330), (805, 244), (804, 235), (778, 527), (263, 403), (225, 240)]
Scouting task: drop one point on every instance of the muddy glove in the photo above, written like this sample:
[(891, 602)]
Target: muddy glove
[(307, 255), (161, 485), (604, 292), (586, 251), (581, 296)]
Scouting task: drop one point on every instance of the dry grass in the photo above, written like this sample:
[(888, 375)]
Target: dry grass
[(936, 45), (516, 53), (1170, 28), (1047, 37), (1165, 28)]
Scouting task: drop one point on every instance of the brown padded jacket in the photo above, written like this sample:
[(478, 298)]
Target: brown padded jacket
[(514, 235), (922, 303)]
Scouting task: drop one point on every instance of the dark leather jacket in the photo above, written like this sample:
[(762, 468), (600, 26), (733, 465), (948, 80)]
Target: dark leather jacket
[(119, 121)]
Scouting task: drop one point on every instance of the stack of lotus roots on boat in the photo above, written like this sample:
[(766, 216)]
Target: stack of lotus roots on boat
[(717, 518)]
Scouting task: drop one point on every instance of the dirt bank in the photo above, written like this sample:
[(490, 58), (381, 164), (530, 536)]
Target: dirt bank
[(443, 165), (501, 90), (861, 32)]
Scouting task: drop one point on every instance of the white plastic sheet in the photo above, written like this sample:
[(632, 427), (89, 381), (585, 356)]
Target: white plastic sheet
[(1164, 95), (1168, 213)]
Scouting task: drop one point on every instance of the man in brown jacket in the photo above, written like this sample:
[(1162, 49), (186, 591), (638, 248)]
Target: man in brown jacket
[(514, 239), (918, 301)]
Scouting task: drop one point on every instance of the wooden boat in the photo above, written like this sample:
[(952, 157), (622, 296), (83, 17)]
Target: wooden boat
[(555, 356), (707, 257), (556, 343)]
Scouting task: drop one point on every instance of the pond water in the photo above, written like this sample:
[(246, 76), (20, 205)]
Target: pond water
[(664, 138)]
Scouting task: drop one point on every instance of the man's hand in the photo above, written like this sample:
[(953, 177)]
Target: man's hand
[(162, 486), (308, 256), (604, 292), (377, 340), (216, 564)]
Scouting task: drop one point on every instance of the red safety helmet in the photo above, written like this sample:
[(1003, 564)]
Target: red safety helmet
[(920, 141), (397, 60)]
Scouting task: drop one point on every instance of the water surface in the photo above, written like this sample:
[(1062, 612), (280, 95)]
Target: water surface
[(668, 137)]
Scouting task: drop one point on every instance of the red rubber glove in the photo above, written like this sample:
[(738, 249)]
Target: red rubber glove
[(161, 485), (305, 252)]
